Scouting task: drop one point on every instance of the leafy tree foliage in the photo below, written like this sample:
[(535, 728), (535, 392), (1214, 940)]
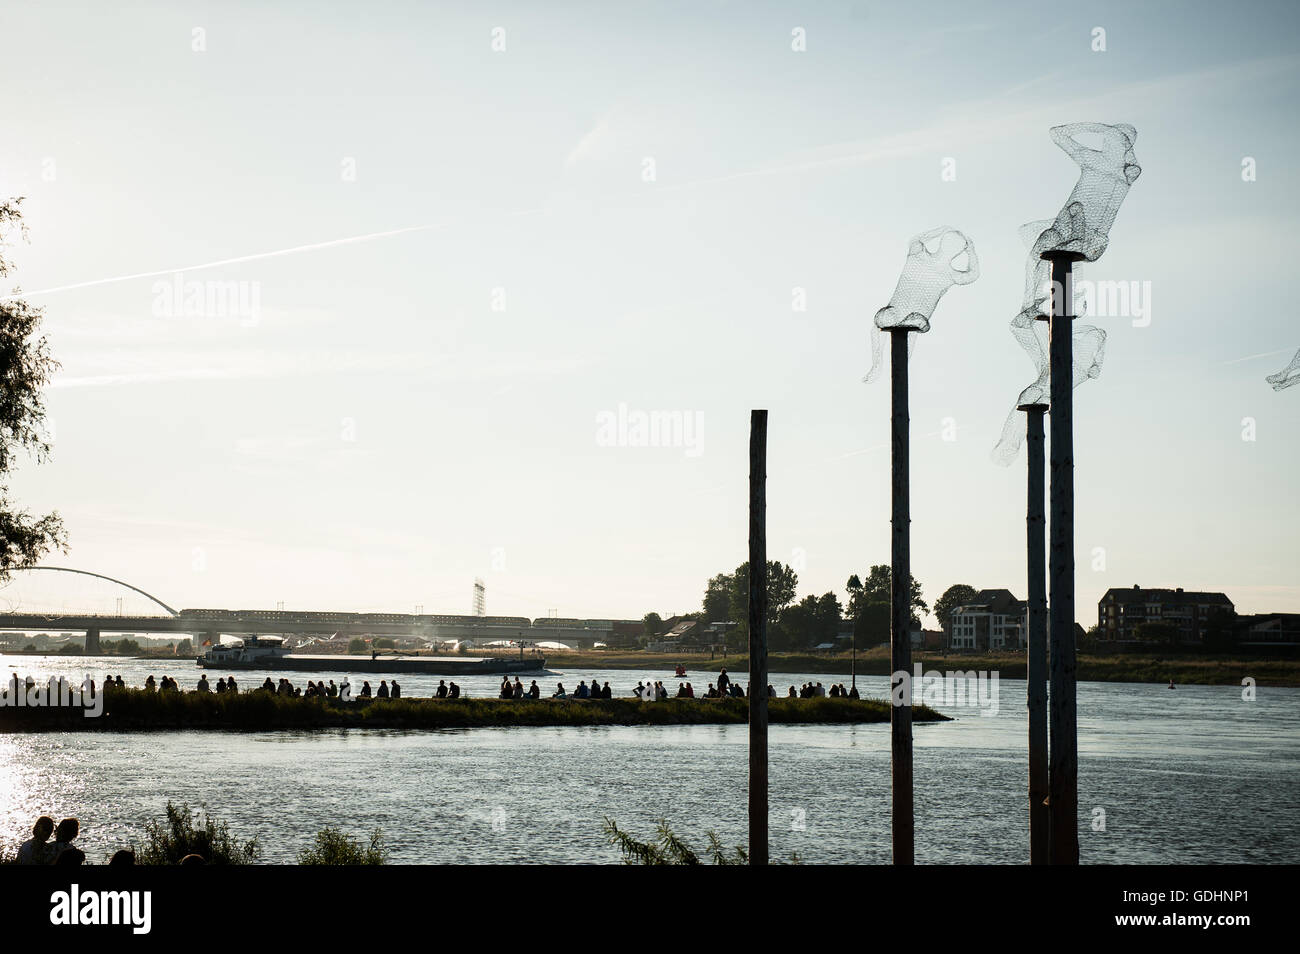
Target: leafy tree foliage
[(25, 369), (956, 595)]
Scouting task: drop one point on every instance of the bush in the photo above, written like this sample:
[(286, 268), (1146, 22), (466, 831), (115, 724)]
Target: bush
[(357, 646), (167, 843), (333, 847), (668, 849)]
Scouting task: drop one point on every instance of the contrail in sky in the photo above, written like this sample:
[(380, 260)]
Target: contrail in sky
[(230, 261)]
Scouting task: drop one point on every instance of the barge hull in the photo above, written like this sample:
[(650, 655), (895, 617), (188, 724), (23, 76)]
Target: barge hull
[(382, 664)]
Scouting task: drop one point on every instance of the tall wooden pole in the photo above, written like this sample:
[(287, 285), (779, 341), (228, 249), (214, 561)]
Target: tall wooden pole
[(1035, 520), (1063, 764), (758, 637), (900, 617)]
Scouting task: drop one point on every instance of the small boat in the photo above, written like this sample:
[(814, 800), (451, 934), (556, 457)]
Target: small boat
[(681, 670)]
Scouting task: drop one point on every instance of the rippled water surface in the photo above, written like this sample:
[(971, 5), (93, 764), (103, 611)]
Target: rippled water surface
[(1190, 775)]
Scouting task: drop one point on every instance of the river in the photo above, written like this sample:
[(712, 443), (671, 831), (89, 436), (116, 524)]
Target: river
[(1192, 775)]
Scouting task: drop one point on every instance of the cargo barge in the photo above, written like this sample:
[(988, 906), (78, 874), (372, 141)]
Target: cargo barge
[(269, 653)]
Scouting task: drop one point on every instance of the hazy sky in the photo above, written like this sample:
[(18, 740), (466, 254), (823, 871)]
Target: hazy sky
[(392, 417)]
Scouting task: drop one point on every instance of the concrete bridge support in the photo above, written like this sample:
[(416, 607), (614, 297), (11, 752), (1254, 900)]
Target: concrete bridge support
[(92, 642)]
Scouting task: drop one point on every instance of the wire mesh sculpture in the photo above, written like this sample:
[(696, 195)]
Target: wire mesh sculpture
[(1287, 376), (936, 260), (1088, 343), (1105, 174), (1083, 225)]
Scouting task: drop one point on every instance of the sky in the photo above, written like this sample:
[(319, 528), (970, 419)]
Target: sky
[(464, 238)]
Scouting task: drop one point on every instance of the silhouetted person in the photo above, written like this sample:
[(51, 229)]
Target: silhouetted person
[(723, 680), (559, 692), (221, 685), (605, 692), (71, 856), (383, 689), (150, 684), (365, 690), (64, 835), (37, 849), (121, 858), (453, 691), (203, 684), (395, 690)]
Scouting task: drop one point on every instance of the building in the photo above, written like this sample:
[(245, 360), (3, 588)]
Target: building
[(995, 619), (1264, 631), (1184, 615)]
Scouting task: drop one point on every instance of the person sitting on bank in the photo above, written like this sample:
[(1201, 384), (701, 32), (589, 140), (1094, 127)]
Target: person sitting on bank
[(365, 689), (231, 685), (795, 695), (453, 691), (150, 684), (269, 686), (534, 691), (606, 692), (506, 691), (395, 691), (332, 690), (122, 858), (690, 691), (835, 689), (203, 684), (64, 835), (37, 849), (771, 691), (559, 692), (681, 690), (712, 693), (582, 692), (519, 688), (442, 689), (383, 689), (120, 683), (221, 685)]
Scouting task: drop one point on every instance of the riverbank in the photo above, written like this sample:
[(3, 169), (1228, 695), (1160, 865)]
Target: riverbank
[(140, 710), (1200, 670)]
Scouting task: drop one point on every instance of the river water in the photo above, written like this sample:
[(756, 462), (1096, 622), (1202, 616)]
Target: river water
[(1192, 775)]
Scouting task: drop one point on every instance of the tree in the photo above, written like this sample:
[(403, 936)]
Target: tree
[(25, 368), (652, 624), (876, 589), (717, 599), (782, 584), (956, 595), (808, 623), (357, 646)]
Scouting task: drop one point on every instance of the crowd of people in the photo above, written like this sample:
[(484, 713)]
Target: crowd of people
[(52, 844), (724, 688)]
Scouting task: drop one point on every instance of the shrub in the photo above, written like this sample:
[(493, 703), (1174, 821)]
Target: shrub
[(333, 847), (668, 849), (167, 843)]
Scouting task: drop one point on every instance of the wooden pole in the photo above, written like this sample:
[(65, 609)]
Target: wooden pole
[(900, 617), (1063, 757), (1035, 521), (758, 637)]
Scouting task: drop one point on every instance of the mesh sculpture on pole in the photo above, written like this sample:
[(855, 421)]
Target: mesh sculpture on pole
[(936, 260), (1083, 224), (931, 268), (1287, 376), (1029, 328)]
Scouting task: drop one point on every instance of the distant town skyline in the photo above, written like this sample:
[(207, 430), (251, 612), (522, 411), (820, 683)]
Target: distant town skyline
[(348, 319)]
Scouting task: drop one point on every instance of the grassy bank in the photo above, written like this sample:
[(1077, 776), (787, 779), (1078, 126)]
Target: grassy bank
[(1184, 669), (137, 710)]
